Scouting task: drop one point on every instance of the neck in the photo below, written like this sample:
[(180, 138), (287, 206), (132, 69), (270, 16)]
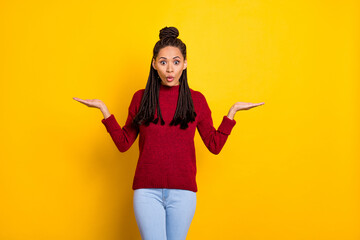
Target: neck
[(169, 89)]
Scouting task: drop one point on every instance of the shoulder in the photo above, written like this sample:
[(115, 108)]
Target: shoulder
[(136, 100), (137, 96), (139, 93), (197, 96), (200, 104)]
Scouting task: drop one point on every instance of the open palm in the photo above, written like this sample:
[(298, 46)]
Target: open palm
[(245, 105), (96, 103)]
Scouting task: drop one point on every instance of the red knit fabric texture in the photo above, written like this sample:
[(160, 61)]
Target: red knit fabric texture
[(167, 156)]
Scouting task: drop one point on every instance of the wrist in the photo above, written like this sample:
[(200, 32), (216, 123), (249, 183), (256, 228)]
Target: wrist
[(105, 111), (231, 114)]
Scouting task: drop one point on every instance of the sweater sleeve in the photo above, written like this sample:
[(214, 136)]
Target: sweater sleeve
[(213, 139), (123, 137)]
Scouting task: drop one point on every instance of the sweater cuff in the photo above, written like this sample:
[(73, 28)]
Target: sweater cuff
[(226, 125), (111, 124)]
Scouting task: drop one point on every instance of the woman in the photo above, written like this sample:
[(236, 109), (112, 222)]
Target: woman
[(165, 115)]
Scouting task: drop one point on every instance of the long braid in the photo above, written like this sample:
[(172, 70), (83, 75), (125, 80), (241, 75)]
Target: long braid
[(185, 108)]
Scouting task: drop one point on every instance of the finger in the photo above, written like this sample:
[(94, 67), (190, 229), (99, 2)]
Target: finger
[(253, 105), (83, 101), (80, 100), (77, 99)]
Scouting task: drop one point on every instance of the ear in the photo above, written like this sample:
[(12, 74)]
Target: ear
[(185, 64), (153, 64)]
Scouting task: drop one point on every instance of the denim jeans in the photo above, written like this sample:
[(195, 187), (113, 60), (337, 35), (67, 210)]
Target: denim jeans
[(164, 214)]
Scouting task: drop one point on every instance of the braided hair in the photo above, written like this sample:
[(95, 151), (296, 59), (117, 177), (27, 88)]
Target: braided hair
[(150, 101)]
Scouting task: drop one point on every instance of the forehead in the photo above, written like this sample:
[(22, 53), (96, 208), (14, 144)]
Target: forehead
[(170, 52)]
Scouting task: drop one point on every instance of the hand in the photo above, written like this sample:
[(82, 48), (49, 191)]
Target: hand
[(96, 103), (245, 106), (241, 106)]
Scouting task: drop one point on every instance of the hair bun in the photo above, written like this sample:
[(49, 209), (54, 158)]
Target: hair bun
[(169, 32)]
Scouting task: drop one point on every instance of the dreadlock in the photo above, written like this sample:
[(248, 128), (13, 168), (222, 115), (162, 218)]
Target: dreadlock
[(150, 101)]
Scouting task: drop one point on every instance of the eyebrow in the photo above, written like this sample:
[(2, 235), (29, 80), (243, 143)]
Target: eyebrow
[(173, 57)]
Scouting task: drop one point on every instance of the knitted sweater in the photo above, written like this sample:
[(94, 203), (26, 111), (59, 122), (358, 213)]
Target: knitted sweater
[(167, 153)]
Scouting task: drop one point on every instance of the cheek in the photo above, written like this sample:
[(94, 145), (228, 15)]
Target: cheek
[(180, 71), (160, 72)]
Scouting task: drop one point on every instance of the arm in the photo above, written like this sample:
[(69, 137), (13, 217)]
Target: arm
[(213, 139), (105, 111), (123, 137)]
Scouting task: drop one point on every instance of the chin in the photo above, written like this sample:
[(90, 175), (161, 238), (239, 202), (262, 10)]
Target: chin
[(170, 84)]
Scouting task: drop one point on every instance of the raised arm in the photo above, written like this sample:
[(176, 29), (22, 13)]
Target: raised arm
[(123, 137), (213, 139)]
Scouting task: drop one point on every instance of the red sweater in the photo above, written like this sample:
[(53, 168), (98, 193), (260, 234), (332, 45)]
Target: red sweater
[(167, 153)]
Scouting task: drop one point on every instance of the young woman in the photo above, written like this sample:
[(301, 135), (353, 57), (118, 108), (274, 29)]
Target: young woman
[(166, 115)]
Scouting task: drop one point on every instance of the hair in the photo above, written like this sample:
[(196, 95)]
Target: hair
[(150, 101)]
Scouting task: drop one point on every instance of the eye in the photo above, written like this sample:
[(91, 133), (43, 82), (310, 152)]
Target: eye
[(177, 62), (162, 62)]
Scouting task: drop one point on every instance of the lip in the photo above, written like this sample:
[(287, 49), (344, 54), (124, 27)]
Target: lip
[(170, 79)]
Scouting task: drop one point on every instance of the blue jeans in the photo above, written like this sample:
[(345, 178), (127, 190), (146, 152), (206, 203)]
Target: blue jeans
[(164, 214)]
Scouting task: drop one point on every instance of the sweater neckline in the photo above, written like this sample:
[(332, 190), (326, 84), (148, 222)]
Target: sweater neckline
[(169, 89)]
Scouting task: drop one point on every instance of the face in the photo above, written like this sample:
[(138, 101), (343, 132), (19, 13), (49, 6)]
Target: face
[(169, 64)]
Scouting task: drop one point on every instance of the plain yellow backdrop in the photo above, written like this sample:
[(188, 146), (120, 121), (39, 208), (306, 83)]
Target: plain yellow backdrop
[(289, 170)]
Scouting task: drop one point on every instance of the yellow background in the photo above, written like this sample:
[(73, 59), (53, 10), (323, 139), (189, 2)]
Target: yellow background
[(289, 170)]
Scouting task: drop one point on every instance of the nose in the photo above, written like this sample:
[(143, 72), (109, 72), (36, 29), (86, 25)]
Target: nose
[(169, 68)]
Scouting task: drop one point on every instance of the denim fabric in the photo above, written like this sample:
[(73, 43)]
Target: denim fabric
[(164, 214)]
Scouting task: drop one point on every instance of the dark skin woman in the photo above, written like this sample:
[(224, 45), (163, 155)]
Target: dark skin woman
[(164, 183)]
